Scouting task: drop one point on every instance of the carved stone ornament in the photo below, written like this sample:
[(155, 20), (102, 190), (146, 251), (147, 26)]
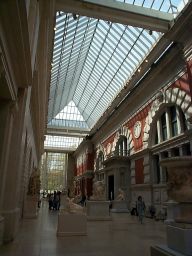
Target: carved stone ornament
[(179, 187), (158, 100)]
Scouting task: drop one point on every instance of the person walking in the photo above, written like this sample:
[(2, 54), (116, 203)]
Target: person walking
[(140, 208)]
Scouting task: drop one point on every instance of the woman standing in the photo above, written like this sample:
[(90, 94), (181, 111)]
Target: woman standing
[(140, 209)]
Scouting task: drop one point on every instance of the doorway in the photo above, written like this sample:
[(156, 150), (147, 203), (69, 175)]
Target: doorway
[(111, 187)]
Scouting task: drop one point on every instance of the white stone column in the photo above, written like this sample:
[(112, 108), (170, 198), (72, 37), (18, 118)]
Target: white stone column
[(180, 127), (168, 123), (125, 147), (121, 148), (6, 125), (159, 131), (10, 192), (6, 116)]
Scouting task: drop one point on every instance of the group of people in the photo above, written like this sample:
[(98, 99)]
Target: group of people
[(54, 200)]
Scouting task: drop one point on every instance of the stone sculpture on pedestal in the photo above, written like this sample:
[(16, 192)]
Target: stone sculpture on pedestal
[(119, 204), (71, 219), (98, 191), (33, 194), (179, 189), (121, 195), (97, 206)]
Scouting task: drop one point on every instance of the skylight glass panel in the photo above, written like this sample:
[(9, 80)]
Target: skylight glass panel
[(69, 116), (92, 57), (62, 142)]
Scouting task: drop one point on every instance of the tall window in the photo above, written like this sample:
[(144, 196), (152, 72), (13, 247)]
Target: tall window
[(164, 126), (174, 125), (121, 148), (171, 123), (54, 171), (100, 160), (157, 169)]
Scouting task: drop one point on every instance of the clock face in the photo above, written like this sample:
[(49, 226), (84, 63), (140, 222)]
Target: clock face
[(137, 129)]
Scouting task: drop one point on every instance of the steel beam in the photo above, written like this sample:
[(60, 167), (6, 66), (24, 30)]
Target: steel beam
[(118, 12)]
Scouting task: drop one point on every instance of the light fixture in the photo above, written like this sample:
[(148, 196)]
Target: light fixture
[(150, 32), (55, 28), (146, 60), (74, 16), (139, 69)]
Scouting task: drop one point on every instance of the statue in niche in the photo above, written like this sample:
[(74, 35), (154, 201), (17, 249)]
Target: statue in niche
[(98, 191), (34, 185), (121, 195)]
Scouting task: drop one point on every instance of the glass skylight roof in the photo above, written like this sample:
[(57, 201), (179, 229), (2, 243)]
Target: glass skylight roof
[(92, 59), (69, 117), (62, 142)]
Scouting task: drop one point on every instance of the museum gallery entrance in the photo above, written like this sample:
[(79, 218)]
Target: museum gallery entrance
[(111, 187)]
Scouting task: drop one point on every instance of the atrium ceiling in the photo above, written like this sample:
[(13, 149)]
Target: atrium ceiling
[(94, 58)]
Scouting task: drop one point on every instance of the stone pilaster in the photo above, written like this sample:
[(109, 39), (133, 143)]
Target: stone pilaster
[(11, 184)]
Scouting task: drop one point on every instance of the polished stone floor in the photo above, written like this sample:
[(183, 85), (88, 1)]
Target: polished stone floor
[(123, 236)]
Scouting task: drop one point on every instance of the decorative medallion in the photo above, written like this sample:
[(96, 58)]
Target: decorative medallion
[(137, 129)]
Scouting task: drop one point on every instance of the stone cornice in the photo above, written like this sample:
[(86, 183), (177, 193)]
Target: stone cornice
[(172, 142), (141, 187), (15, 41)]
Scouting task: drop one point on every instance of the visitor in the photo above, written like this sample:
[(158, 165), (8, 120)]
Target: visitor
[(152, 211), (83, 200), (50, 200), (58, 200), (68, 192), (140, 209)]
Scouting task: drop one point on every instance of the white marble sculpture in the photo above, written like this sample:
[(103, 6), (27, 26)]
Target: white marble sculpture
[(121, 195), (98, 191), (71, 207)]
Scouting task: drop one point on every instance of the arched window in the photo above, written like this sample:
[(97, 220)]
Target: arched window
[(171, 123), (174, 124), (164, 126), (121, 147)]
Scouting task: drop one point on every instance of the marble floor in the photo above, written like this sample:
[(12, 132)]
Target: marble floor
[(122, 236)]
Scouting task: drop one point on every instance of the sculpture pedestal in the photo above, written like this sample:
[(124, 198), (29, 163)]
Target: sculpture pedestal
[(71, 224), (1, 229), (172, 211), (119, 206), (30, 207), (179, 188), (98, 210), (179, 241), (179, 238)]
